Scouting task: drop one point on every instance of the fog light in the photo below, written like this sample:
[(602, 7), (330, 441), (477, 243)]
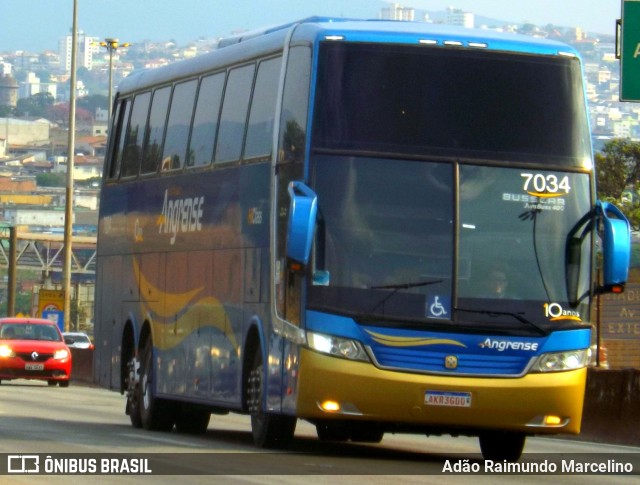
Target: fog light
[(552, 420), (330, 406)]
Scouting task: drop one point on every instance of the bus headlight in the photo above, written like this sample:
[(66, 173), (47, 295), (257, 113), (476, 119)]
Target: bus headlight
[(561, 361), (336, 346)]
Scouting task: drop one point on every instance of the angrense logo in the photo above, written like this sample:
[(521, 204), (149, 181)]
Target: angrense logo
[(502, 345)]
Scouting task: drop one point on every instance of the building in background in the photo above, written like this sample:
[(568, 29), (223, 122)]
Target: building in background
[(456, 16), (87, 48), (395, 11)]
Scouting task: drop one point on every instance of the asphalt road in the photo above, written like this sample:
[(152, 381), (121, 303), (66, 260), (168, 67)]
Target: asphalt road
[(83, 426)]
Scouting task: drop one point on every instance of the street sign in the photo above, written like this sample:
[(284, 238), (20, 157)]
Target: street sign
[(630, 51), (50, 304)]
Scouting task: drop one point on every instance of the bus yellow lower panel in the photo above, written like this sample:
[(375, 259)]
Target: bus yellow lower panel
[(362, 391)]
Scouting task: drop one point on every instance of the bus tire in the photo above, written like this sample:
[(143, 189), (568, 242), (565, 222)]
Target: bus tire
[(155, 414), (502, 445), (268, 430), (192, 419)]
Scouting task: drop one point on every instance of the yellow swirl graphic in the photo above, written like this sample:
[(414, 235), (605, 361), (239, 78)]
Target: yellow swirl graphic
[(545, 195), (566, 317), (180, 315), (397, 341)]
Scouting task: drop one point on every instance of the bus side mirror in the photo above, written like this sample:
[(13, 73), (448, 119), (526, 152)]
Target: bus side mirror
[(616, 247), (302, 222)]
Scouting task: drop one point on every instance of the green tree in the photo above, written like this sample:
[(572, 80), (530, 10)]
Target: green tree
[(36, 105), (618, 176), (51, 180)]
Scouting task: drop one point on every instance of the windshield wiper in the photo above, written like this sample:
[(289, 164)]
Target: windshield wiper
[(406, 286), (517, 316), (395, 288)]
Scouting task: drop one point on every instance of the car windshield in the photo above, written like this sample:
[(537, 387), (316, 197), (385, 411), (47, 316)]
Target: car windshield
[(10, 331), (79, 338)]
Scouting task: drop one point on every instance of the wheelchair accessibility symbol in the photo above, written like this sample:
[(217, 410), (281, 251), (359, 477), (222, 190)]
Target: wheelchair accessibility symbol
[(438, 307)]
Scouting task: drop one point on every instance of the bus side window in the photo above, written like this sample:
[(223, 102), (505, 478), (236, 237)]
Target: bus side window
[(175, 143), (262, 115), (135, 135), (233, 119), (205, 120), (155, 131), (117, 145)]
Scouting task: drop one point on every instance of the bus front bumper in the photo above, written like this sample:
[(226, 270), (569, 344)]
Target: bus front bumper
[(332, 388)]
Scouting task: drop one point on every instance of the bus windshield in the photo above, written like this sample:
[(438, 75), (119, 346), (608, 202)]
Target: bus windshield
[(419, 100), (386, 244)]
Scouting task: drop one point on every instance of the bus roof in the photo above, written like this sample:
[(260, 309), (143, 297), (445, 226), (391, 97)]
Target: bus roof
[(271, 39)]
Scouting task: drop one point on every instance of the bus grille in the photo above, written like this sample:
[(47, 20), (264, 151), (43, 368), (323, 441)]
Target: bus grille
[(429, 361)]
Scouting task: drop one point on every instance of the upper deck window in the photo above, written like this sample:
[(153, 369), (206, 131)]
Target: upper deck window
[(423, 100), (175, 143), (233, 119), (205, 120), (155, 132), (135, 135), (263, 109)]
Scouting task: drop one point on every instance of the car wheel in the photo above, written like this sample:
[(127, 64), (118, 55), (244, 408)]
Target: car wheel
[(63, 383)]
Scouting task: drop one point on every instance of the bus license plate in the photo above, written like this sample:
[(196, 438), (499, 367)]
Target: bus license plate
[(34, 367), (451, 399)]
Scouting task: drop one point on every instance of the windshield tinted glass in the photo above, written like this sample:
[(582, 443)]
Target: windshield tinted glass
[(421, 100), (524, 235), (386, 248), (385, 227)]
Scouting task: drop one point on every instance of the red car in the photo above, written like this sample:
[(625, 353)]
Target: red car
[(33, 348)]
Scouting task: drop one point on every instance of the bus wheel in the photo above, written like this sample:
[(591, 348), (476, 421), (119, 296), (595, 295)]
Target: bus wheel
[(155, 414), (131, 387), (268, 430), (502, 445), (192, 419)]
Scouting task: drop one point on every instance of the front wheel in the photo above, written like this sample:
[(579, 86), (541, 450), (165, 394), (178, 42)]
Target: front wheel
[(268, 430), (502, 445)]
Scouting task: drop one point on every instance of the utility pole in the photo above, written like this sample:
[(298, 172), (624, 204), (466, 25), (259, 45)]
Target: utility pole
[(68, 213)]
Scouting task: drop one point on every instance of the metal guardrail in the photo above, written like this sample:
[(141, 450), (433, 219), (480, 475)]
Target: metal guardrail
[(45, 252)]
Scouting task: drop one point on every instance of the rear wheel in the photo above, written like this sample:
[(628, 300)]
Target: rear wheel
[(155, 414), (502, 445), (268, 430), (131, 384)]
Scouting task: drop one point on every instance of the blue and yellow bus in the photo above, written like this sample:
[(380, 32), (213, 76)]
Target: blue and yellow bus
[(371, 226)]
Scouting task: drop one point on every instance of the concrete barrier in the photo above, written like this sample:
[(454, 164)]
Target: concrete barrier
[(612, 407), (82, 365), (611, 404)]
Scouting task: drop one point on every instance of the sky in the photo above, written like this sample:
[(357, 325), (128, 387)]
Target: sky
[(37, 25)]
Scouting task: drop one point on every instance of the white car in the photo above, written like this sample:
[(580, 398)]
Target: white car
[(77, 340)]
